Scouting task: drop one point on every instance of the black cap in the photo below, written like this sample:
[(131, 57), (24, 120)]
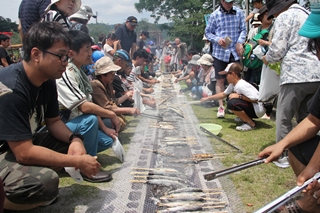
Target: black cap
[(146, 33), (133, 20)]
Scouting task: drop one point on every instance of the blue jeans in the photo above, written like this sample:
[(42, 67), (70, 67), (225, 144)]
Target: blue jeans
[(94, 139), (197, 90)]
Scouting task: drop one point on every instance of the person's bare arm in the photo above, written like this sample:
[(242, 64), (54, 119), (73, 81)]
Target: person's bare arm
[(110, 132), (28, 154), (249, 17), (305, 130), (127, 110), (217, 96), (4, 62), (91, 108)]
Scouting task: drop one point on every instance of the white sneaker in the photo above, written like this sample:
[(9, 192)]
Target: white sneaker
[(244, 127), (237, 119), (220, 113), (282, 162)]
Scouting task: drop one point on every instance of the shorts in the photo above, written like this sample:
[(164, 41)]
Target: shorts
[(304, 151), (241, 105), (221, 65)]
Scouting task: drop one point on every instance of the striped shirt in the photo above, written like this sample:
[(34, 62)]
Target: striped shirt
[(221, 25), (56, 16)]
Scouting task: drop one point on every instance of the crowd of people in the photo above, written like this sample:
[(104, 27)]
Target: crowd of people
[(77, 93)]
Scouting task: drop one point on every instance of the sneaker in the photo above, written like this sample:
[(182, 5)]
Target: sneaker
[(238, 120), (220, 113), (282, 162), (245, 127)]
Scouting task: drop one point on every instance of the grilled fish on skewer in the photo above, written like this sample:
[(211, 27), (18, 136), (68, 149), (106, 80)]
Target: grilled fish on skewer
[(159, 152), (160, 182), (190, 189), (164, 177), (157, 169), (181, 203), (190, 208)]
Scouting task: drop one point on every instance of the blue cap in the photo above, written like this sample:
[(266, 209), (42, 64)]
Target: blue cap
[(96, 55), (124, 55), (150, 43), (311, 27)]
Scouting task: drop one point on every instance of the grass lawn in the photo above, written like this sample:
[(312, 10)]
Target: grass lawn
[(260, 184)]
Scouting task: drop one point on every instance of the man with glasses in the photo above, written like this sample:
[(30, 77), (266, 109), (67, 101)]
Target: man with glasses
[(127, 36), (226, 30), (27, 159)]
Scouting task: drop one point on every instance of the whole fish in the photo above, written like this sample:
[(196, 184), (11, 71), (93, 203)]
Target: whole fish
[(190, 189), (187, 196), (189, 208), (182, 203), (165, 177), (161, 182)]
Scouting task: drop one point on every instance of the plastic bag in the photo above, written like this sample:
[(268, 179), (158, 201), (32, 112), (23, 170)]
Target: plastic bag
[(259, 52), (138, 103), (206, 91), (118, 149), (269, 84)]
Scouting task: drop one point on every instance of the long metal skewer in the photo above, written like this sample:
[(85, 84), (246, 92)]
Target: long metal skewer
[(275, 204), (214, 175), (220, 139)]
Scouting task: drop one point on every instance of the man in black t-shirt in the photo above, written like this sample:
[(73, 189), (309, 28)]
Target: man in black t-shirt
[(140, 43), (26, 158), (5, 59), (127, 36)]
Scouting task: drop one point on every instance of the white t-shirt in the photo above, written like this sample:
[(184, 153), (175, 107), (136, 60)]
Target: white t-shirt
[(106, 49), (246, 89)]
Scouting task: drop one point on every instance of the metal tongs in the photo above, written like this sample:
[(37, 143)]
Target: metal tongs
[(240, 167), (158, 117), (220, 139), (275, 204)]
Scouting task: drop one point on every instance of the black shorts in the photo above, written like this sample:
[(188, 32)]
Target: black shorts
[(221, 65), (241, 105), (304, 151)]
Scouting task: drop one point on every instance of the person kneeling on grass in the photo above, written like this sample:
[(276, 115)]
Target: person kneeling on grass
[(243, 98)]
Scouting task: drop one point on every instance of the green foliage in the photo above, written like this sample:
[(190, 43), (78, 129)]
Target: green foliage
[(99, 28), (15, 38), (6, 25)]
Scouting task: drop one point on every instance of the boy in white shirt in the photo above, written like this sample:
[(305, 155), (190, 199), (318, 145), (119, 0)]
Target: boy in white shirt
[(243, 98)]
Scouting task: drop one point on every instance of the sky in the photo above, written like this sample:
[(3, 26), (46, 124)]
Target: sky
[(109, 11)]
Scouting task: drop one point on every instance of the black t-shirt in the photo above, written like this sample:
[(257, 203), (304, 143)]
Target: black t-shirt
[(126, 37), (140, 43), (313, 105), (118, 86), (19, 107), (4, 54)]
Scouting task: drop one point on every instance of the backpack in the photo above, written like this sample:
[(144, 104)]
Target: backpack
[(249, 60)]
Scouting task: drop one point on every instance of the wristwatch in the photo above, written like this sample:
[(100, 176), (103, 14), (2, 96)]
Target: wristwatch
[(75, 135)]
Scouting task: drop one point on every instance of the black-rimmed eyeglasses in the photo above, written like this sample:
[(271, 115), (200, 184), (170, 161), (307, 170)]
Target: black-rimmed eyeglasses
[(63, 58)]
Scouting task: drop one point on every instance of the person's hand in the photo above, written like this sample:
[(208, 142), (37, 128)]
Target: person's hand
[(76, 147), (204, 99), (115, 122), (88, 165), (135, 112), (313, 188), (233, 95), (111, 132), (239, 49), (265, 60), (176, 80), (129, 94), (222, 42), (272, 152)]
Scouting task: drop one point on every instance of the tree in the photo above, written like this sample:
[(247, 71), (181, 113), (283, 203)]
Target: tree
[(7, 26), (187, 17)]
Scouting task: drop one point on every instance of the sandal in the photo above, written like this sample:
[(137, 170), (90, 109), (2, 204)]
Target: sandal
[(291, 207)]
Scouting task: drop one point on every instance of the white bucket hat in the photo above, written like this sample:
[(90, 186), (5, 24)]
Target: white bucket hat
[(76, 7), (81, 14), (206, 59)]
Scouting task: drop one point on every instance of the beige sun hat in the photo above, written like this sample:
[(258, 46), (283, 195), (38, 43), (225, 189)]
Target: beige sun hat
[(206, 59), (76, 7), (81, 14), (105, 65)]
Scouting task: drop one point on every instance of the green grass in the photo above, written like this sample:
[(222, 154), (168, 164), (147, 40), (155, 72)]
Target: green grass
[(257, 185)]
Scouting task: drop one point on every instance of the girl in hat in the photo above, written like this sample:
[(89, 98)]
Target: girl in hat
[(59, 10)]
